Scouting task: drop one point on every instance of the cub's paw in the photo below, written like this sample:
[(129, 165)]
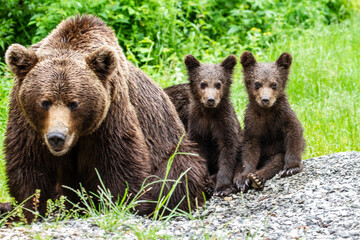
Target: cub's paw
[(209, 190), (209, 186), (222, 192), (256, 182), (242, 183), (289, 171)]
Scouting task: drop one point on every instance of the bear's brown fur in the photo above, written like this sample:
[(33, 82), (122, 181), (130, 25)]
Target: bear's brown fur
[(78, 105), (205, 108), (273, 135)]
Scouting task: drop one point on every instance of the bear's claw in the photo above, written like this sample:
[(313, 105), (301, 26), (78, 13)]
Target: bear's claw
[(289, 172), (223, 193), (242, 186), (209, 186), (209, 190), (257, 182)]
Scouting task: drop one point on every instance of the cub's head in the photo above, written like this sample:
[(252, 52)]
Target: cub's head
[(210, 83), (265, 82), (63, 97)]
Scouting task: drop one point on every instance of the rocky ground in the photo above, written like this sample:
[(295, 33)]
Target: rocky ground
[(322, 202)]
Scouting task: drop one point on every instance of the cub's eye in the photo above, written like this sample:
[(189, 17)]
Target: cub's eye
[(257, 85), (73, 105), (218, 85), (45, 104), (274, 86), (202, 85)]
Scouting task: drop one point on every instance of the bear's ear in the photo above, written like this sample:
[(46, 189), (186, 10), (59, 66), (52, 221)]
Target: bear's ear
[(247, 59), (229, 63), (103, 61), (20, 60), (284, 60), (191, 62)]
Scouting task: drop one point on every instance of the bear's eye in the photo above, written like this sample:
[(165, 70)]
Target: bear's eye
[(202, 85), (274, 86), (73, 105), (218, 85), (257, 85), (45, 104)]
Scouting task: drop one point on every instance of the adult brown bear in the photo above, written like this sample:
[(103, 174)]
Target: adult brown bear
[(78, 105)]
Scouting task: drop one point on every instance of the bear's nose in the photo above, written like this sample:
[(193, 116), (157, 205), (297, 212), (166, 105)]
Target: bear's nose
[(265, 100), (211, 101), (56, 139)]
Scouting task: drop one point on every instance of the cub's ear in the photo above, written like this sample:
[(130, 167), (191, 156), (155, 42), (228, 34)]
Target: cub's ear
[(191, 62), (20, 60), (284, 60), (247, 59), (229, 63), (103, 61)]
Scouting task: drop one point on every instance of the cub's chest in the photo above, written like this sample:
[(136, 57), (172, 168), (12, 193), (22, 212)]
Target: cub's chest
[(271, 129), (206, 126)]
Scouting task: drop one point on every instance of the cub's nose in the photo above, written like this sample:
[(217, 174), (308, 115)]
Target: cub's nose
[(56, 139), (265, 100), (211, 101)]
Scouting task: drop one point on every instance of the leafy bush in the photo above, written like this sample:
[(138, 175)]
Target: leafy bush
[(151, 31)]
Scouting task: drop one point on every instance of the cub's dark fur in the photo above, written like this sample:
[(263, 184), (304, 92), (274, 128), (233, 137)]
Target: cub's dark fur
[(273, 135), (204, 107)]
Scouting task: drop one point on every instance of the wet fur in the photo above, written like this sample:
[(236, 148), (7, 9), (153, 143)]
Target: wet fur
[(126, 143), (273, 136), (216, 130)]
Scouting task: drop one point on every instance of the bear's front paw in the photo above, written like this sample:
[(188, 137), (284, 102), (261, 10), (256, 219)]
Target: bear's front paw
[(289, 171), (224, 191), (242, 183), (257, 182), (209, 186), (209, 190)]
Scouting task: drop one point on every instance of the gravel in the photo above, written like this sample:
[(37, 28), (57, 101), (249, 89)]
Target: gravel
[(322, 202)]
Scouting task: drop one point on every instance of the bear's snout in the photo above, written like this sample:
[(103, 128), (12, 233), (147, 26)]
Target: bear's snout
[(210, 97), (59, 140), (56, 140), (265, 100), (211, 101), (265, 97)]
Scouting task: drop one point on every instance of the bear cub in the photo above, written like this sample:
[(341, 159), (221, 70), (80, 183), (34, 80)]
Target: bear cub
[(273, 135), (209, 117)]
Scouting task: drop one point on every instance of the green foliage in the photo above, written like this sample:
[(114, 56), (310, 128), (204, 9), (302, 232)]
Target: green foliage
[(153, 31), (56, 210), (5, 86)]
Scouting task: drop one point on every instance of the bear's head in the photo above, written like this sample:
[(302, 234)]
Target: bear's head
[(210, 82), (62, 97), (265, 82)]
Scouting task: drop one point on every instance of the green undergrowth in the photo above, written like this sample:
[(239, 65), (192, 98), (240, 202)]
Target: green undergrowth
[(153, 31), (5, 86)]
